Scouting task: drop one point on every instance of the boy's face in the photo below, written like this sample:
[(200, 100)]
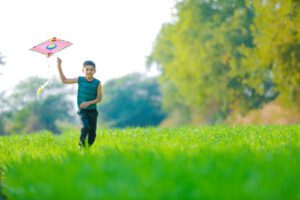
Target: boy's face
[(89, 71)]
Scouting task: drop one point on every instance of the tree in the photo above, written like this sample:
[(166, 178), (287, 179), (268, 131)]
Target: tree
[(132, 100), (276, 52), (32, 113), (199, 55)]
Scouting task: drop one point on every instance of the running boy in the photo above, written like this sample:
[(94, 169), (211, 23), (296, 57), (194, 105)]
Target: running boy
[(89, 94)]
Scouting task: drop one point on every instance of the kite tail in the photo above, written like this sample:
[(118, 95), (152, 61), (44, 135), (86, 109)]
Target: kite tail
[(41, 88)]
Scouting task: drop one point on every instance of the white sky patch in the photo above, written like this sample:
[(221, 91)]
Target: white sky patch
[(117, 35)]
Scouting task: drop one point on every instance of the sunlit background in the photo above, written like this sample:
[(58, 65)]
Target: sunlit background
[(161, 63)]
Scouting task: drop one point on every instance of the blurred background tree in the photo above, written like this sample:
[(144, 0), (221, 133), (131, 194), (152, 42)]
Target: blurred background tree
[(29, 113), (221, 57), (132, 100), (276, 51)]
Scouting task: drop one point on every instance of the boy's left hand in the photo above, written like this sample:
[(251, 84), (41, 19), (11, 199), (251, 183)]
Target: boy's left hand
[(84, 105)]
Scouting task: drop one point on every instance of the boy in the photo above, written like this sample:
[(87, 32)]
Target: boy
[(89, 94)]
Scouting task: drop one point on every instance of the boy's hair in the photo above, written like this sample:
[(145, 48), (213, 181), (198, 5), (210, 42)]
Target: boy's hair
[(89, 62)]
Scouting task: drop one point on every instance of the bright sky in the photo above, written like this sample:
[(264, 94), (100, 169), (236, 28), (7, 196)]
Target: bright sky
[(116, 34)]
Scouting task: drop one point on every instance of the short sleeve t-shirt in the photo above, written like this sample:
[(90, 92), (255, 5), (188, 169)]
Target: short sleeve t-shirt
[(87, 91)]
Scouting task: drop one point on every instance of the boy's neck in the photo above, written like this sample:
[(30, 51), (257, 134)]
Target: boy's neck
[(89, 79)]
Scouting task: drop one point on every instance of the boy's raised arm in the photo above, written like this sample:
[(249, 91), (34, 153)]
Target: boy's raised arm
[(62, 76)]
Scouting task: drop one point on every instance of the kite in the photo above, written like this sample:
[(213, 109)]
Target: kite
[(51, 46), (48, 48)]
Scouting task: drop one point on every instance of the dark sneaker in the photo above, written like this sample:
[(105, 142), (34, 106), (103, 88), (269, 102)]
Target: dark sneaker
[(81, 145)]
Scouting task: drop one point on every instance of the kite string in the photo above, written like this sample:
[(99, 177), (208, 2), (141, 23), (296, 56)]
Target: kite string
[(48, 61)]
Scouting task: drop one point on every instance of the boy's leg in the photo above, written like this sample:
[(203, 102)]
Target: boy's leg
[(93, 124), (85, 127)]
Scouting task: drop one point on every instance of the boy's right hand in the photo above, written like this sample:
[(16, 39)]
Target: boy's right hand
[(59, 61)]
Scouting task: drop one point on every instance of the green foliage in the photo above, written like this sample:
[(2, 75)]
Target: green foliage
[(196, 54), (276, 54), (222, 56), (253, 162), (131, 101), (2, 117), (30, 112)]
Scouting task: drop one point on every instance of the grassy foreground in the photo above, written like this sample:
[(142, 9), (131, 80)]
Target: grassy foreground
[(253, 162)]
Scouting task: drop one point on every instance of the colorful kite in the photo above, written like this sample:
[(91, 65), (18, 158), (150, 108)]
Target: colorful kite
[(49, 48)]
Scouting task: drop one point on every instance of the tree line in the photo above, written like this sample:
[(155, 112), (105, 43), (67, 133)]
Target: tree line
[(132, 100)]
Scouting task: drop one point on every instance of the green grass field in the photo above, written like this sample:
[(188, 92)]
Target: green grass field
[(252, 162)]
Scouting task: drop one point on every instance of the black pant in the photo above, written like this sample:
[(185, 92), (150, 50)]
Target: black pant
[(88, 120)]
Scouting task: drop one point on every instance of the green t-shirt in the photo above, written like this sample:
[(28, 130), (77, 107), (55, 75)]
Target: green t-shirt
[(87, 91)]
